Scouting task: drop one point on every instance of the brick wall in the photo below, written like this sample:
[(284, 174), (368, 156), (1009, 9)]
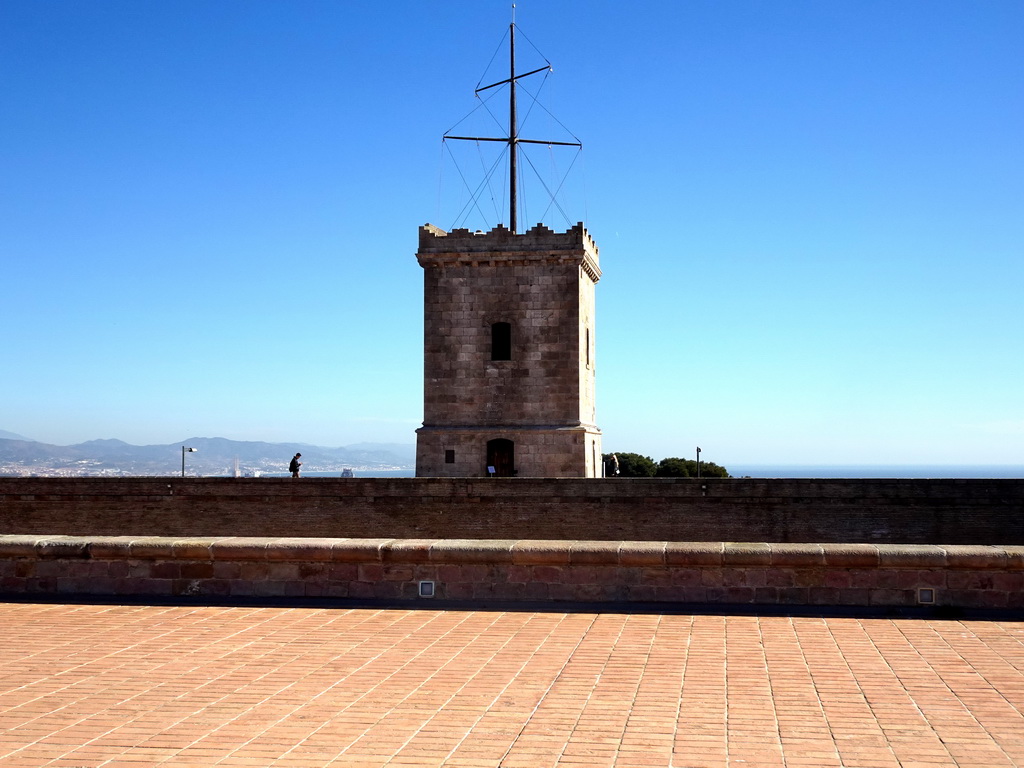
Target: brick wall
[(985, 512), (517, 570)]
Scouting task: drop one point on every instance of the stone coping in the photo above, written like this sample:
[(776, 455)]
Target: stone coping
[(515, 552)]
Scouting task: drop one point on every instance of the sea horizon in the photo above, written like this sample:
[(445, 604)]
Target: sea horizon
[(867, 471), (793, 471)]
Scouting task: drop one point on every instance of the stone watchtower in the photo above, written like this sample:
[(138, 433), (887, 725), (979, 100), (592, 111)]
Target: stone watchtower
[(508, 354)]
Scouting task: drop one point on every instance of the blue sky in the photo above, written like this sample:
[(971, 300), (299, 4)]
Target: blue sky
[(810, 216)]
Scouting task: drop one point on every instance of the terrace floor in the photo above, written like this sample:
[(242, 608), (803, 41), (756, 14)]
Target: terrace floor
[(129, 685)]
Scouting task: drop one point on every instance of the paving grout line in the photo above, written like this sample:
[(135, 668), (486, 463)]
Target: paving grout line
[(111, 687), (566, 660), (452, 661), (69, 670), (940, 643), (887, 645), (465, 619), (593, 688), (325, 690)]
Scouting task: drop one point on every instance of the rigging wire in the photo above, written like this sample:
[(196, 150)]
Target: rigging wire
[(556, 173), (497, 122), (490, 189), (534, 98), (498, 162), (523, 34), (481, 105), (493, 56), (553, 195), (474, 194), (563, 125), (552, 164), (472, 198), (523, 190)]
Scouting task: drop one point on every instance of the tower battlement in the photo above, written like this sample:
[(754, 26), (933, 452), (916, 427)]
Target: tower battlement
[(501, 247)]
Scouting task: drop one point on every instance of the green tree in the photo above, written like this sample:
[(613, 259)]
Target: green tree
[(633, 465), (710, 469), (674, 467)]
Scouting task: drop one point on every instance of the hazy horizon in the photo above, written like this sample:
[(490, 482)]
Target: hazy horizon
[(737, 469)]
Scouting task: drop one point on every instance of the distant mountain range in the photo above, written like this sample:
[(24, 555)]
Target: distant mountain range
[(212, 456)]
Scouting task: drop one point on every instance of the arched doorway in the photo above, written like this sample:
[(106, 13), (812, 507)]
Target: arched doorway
[(501, 454)]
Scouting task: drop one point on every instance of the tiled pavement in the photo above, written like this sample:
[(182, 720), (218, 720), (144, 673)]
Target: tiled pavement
[(93, 685)]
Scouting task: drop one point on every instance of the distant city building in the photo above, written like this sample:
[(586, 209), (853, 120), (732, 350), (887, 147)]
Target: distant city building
[(509, 354)]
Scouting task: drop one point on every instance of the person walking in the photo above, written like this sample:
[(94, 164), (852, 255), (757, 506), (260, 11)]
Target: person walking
[(293, 467)]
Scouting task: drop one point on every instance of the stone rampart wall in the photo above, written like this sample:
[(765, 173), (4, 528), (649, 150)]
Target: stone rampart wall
[(875, 576), (984, 512)]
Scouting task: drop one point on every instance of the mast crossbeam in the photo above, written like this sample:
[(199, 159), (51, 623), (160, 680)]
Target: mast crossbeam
[(512, 79), (518, 141)]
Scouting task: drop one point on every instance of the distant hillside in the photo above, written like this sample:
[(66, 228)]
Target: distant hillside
[(213, 456)]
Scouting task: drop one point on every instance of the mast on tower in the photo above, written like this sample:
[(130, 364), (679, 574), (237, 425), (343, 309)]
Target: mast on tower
[(513, 140)]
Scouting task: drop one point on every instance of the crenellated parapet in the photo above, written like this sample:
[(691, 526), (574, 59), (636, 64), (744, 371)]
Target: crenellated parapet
[(501, 247)]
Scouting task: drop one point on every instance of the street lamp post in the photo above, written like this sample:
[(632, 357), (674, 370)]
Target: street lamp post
[(185, 450), (698, 463)]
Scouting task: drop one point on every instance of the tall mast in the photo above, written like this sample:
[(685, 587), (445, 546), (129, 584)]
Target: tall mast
[(513, 139)]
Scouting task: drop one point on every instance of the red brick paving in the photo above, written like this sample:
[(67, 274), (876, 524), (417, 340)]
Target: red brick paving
[(83, 686)]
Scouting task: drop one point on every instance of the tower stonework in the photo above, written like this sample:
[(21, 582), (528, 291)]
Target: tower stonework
[(508, 353)]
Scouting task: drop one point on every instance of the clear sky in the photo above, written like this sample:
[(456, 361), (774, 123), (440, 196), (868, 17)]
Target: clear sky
[(810, 216)]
